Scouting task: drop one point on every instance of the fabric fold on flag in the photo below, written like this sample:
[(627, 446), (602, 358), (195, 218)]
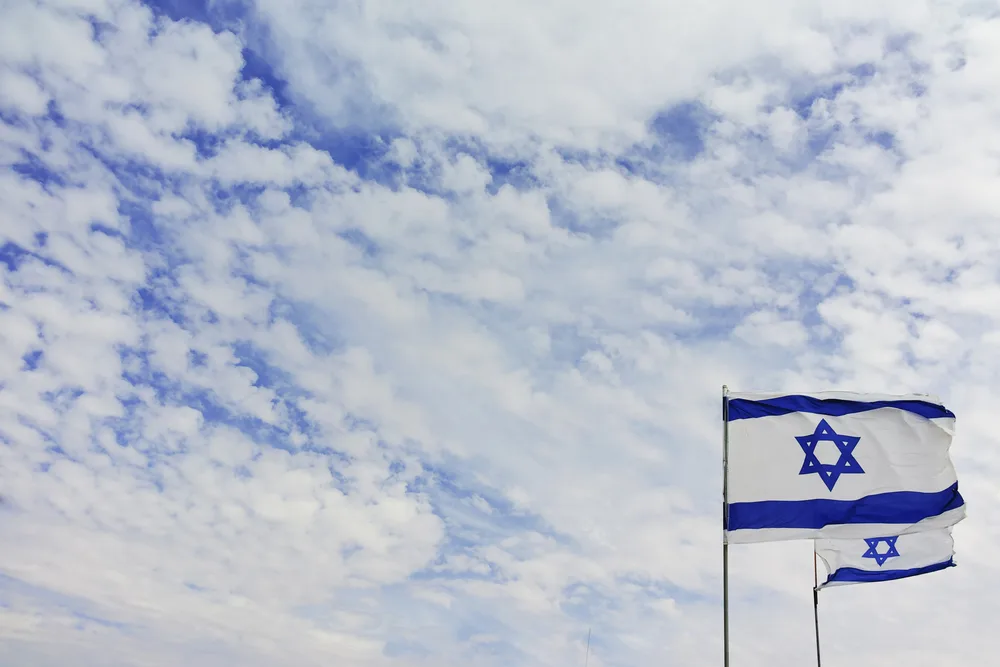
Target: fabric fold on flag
[(839, 465), (886, 558)]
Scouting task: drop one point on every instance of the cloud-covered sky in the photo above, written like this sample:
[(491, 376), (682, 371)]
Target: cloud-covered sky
[(392, 333)]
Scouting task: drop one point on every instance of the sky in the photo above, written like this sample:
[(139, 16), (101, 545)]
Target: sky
[(391, 333)]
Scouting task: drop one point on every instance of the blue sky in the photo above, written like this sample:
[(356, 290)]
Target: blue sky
[(393, 333)]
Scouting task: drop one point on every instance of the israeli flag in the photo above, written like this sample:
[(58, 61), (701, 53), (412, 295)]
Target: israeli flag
[(886, 558), (836, 465)]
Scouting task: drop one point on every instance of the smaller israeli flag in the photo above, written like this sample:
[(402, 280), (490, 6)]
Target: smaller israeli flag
[(886, 557)]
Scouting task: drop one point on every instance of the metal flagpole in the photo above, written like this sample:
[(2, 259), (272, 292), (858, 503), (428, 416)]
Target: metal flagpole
[(819, 661), (725, 524)]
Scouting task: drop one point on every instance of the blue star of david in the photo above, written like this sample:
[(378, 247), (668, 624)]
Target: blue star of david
[(872, 552), (829, 473)]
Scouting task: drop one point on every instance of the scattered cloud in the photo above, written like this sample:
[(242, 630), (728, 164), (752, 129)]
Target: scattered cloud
[(386, 335)]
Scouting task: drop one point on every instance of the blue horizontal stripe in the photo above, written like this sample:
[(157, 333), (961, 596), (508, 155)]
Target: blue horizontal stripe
[(896, 507), (743, 408), (854, 575)]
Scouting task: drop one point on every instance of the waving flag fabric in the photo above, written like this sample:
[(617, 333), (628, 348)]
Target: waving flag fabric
[(839, 465), (887, 557)]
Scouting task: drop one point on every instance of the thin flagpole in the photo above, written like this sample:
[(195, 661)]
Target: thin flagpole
[(725, 523), (819, 661), (586, 660)]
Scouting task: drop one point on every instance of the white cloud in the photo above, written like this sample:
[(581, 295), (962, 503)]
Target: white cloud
[(569, 73), (21, 93)]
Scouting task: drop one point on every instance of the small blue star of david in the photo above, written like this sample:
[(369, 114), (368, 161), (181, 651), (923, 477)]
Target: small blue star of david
[(872, 552), (829, 473)]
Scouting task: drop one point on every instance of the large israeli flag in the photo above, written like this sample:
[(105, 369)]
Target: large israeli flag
[(838, 465), (886, 558)]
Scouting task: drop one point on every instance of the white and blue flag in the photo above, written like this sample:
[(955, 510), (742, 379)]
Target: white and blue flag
[(835, 465), (887, 557)]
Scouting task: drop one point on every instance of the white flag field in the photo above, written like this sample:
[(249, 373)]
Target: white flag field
[(838, 465), (886, 558)]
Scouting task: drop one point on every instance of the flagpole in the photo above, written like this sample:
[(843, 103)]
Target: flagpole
[(819, 661), (725, 524)]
